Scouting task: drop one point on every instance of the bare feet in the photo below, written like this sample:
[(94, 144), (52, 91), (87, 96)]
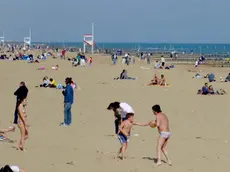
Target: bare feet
[(21, 149), (158, 163), (170, 163)]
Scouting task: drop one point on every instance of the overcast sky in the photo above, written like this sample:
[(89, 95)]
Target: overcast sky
[(181, 21)]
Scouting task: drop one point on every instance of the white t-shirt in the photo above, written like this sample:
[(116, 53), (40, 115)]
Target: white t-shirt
[(162, 59), (125, 108), (15, 168)]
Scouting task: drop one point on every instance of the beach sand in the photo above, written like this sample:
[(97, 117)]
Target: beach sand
[(199, 124)]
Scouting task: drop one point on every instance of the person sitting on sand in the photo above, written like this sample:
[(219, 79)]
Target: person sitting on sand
[(45, 82), (204, 89), (211, 77), (52, 83), (211, 90), (162, 81), (227, 79), (124, 75), (157, 65), (55, 67), (154, 81), (3, 133)]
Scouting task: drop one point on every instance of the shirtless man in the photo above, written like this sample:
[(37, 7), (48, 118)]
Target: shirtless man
[(123, 133), (162, 124), (162, 81)]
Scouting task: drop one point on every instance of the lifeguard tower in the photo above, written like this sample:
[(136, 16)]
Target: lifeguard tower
[(27, 40), (89, 40), (2, 39)]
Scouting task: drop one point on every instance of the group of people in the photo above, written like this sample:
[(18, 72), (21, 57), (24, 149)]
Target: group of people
[(48, 83), (51, 83), (209, 90), (20, 115), (124, 120), (158, 81), (81, 60)]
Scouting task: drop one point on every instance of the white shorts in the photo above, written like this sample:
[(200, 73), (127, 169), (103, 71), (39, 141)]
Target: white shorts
[(165, 135)]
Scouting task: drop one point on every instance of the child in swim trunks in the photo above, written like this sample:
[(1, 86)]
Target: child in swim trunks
[(123, 133), (162, 124)]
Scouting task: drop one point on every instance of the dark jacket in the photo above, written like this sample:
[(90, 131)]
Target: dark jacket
[(21, 92)]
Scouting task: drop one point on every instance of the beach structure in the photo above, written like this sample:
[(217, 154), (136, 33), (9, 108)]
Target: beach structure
[(89, 40), (2, 38), (27, 40)]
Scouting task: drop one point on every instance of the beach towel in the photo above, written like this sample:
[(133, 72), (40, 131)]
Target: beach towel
[(167, 85)]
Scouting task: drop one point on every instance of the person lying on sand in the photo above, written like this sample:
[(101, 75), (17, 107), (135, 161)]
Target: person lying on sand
[(162, 123), (11, 168), (3, 133)]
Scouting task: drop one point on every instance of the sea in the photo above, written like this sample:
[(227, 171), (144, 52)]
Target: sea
[(153, 47)]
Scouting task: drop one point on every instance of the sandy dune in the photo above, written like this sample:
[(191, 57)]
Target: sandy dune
[(199, 124)]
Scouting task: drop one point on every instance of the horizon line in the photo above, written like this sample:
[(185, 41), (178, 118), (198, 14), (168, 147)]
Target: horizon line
[(117, 42)]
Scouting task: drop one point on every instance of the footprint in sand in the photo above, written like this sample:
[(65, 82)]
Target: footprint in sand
[(70, 163)]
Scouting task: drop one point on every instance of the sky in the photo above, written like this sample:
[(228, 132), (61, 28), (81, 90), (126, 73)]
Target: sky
[(166, 21)]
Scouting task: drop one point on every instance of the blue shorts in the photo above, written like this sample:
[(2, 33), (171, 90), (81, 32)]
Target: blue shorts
[(123, 139)]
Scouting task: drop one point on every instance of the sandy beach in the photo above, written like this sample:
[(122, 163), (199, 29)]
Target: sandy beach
[(199, 124)]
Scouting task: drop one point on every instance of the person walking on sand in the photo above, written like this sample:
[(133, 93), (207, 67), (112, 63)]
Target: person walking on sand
[(68, 101), (124, 133), (22, 124), (21, 94), (162, 123)]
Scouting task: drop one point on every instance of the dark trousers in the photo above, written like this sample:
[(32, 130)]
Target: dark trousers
[(117, 122)]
